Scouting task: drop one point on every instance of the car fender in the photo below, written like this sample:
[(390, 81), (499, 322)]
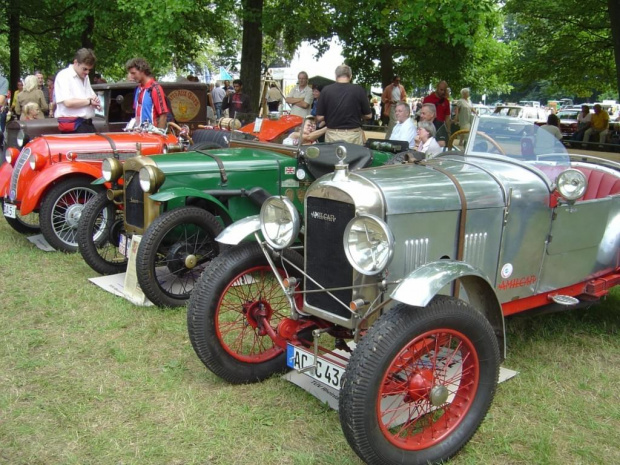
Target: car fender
[(185, 192), (239, 230), (421, 285), (6, 170), (52, 175)]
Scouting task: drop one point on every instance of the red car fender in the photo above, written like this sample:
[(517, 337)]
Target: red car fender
[(51, 175), (5, 179)]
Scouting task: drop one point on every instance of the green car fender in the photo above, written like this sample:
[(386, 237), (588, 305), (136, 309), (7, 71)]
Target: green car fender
[(185, 192)]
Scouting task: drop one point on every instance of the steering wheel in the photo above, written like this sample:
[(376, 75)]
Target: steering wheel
[(450, 144), (181, 132)]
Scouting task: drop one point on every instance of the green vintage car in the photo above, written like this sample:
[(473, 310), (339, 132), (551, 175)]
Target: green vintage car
[(179, 203)]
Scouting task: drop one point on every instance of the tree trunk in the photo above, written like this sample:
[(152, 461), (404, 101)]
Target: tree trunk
[(252, 50), (13, 20), (614, 17), (387, 64)]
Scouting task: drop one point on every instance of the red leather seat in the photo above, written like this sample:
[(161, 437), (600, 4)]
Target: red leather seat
[(600, 183)]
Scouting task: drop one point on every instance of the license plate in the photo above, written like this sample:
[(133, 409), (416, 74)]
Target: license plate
[(124, 245), (9, 210), (327, 372)]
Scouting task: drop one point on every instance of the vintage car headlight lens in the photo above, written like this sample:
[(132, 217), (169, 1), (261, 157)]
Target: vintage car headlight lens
[(12, 154), (279, 222), (368, 244), (151, 179), (20, 137), (111, 169), (572, 184), (36, 161)]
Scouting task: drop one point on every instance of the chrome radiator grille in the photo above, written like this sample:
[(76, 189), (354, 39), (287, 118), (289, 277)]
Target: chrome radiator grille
[(17, 169), (325, 258)]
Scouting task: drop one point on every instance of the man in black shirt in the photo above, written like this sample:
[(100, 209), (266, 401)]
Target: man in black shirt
[(237, 102), (343, 106), (428, 113)]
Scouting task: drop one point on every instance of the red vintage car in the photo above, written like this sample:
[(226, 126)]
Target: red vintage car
[(52, 176), (46, 185)]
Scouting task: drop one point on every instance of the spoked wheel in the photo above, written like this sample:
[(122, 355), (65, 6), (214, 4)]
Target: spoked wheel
[(26, 224), (237, 302), (99, 231), (173, 253), (61, 210), (419, 383)]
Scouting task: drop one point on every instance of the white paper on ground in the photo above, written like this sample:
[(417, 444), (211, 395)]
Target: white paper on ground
[(41, 243)]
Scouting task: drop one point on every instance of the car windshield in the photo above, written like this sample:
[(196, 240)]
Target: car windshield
[(520, 140)]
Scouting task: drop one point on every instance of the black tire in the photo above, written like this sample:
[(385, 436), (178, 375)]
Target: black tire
[(61, 209), (220, 138), (99, 231), (177, 237), (28, 224), (407, 360), (204, 146), (230, 291)]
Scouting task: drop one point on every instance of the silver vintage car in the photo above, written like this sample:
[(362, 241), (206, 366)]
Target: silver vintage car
[(408, 271)]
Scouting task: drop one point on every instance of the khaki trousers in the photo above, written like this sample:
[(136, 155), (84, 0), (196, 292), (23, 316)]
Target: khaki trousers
[(354, 136)]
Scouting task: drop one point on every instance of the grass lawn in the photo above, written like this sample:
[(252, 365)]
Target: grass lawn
[(88, 378)]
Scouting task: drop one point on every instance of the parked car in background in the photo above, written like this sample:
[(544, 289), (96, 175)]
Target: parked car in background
[(418, 265), (179, 204), (532, 114), (188, 100), (568, 122), (483, 109)]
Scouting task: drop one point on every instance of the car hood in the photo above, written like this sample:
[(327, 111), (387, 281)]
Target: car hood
[(89, 143), (232, 159)]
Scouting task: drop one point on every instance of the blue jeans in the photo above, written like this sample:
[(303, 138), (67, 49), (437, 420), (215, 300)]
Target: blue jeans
[(218, 109)]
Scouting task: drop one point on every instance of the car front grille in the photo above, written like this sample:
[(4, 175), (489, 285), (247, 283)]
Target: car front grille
[(326, 261), (17, 169), (134, 200)]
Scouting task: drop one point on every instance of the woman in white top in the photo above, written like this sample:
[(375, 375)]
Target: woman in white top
[(426, 136)]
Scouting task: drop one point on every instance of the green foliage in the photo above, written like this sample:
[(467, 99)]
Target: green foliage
[(423, 41), (568, 43)]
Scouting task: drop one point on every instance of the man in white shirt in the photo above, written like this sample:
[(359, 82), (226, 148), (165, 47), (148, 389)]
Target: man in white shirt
[(403, 129), (75, 99), (300, 97)]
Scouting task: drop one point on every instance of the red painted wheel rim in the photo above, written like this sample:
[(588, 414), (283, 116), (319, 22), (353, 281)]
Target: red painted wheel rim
[(254, 290), (412, 408)]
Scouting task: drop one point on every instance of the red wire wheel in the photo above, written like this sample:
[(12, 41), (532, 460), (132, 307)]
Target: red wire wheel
[(428, 389), (234, 312), (430, 374)]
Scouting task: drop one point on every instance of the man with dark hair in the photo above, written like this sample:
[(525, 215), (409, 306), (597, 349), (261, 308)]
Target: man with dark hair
[(75, 99), (237, 102), (342, 106), (149, 99)]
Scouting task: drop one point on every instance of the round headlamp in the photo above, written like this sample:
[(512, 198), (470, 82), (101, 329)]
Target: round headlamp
[(368, 244), (151, 179), (279, 222), (111, 169), (36, 161), (572, 184), (11, 154), (20, 137)]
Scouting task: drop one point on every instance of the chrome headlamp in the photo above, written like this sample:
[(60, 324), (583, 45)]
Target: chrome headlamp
[(368, 244), (279, 222), (151, 179), (572, 184), (111, 169)]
